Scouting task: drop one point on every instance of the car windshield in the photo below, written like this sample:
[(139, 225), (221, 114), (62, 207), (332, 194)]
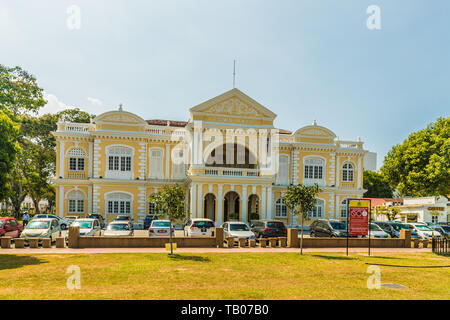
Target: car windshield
[(446, 228), (238, 227), (38, 225), (423, 227), (338, 225), (278, 225), (164, 224), (83, 224), (118, 226), (38, 216), (123, 218), (374, 227), (203, 224), (400, 226), (94, 216)]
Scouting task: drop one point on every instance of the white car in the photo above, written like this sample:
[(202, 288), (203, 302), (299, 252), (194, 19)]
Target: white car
[(424, 231), (119, 228), (377, 232), (237, 230), (63, 222), (42, 228), (88, 227), (160, 228), (199, 227)]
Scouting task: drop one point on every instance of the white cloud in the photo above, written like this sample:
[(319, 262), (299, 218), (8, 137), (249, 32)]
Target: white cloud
[(53, 105), (95, 101)]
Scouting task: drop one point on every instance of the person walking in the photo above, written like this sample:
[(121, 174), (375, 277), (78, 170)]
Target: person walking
[(25, 219)]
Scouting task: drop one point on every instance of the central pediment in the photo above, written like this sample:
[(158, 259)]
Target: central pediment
[(233, 103)]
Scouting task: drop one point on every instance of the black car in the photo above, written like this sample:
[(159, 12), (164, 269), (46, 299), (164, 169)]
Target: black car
[(148, 221), (388, 228), (268, 228), (397, 226), (328, 228)]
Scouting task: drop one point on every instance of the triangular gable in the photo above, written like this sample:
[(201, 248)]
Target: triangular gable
[(234, 103), (120, 117)]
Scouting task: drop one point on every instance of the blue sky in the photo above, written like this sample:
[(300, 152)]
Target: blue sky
[(304, 60)]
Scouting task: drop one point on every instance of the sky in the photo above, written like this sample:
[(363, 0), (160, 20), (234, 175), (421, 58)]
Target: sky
[(304, 60)]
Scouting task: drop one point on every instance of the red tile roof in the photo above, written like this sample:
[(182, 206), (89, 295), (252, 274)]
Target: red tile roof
[(376, 202)]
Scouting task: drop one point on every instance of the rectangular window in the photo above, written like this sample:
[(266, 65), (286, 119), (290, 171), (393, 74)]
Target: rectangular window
[(110, 207), (73, 164), (80, 205), (72, 205)]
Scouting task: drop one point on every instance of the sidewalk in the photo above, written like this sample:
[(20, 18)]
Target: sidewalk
[(363, 251)]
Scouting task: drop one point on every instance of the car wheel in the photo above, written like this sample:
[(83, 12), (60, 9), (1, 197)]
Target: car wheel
[(63, 227), (312, 234)]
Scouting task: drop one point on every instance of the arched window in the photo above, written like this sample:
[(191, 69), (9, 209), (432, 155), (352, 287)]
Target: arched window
[(280, 209), (119, 159), (283, 170), (344, 209), (118, 203), (318, 211), (76, 202), (156, 163), (314, 169), (76, 159), (347, 172)]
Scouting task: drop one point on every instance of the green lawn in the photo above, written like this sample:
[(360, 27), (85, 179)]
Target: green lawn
[(220, 276)]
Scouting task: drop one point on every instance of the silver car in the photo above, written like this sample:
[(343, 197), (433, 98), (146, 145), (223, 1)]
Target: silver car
[(160, 228), (118, 229), (237, 230), (88, 227)]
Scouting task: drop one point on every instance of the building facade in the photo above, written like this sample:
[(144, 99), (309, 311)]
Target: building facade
[(232, 161)]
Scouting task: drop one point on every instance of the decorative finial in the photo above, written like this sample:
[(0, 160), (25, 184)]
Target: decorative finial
[(314, 123), (359, 139), (120, 107)]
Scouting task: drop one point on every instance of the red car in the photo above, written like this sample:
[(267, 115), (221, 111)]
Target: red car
[(10, 227)]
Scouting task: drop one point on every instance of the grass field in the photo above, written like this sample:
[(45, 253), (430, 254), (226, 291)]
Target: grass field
[(221, 276)]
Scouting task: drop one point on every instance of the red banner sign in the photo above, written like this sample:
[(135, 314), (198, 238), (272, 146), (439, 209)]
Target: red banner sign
[(359, 217)]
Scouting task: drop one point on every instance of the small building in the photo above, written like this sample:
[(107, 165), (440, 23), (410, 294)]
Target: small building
[(425, 209), (376, 203)]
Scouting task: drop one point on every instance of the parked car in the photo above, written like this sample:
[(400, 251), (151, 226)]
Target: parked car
[(99, 217), (445, 231), (119, 228), (148, 221), (42, 228), (199, 227), (269, 228), (88, 227), (388, 228), (424, 231), (397, 226), (328, 228), (377, 232), (10, 227), (63, 223), (71, 219), (123, 217), (160, 228), (237, 230)]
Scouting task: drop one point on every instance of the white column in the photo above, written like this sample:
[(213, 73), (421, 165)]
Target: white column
[(199, 200), (263, 202), (359, 172), (168, 157), (244, 202), (61, 159), (220, 204), (193, 197), (61, 201), (338, 206), (269, 209), (338, 171), (91, 152), (89, 199)]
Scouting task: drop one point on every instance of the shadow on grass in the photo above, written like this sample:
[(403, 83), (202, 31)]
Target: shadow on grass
[(332, 257), (388, 258), (178, 257), (10, 261)]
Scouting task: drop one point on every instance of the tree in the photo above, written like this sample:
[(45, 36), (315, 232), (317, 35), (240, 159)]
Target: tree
[(300, 200), (420, 166), (8, 150), (377, 185), (390, 212), (75, 115), (170, 201), (19, 91), (17, 190)]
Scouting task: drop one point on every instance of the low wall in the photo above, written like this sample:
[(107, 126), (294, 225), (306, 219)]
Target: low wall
[(352, 243), (144, 242)]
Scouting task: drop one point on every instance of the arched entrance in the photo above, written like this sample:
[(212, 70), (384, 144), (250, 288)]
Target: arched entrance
[(209, 209), (253, 208), (231, 156), (231, 206)]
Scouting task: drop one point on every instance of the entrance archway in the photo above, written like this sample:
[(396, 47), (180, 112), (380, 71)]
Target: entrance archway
[(253, 207), (209, 211), (231, 206)]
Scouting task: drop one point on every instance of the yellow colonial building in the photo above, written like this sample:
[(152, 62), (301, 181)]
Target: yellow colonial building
[(232, 161)]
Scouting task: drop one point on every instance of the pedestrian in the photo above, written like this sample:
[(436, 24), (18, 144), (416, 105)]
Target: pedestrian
[(25, 219)]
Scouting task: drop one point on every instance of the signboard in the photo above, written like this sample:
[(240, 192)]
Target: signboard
[(359, 217)]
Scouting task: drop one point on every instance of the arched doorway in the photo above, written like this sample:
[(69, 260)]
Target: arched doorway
[(231, 206), (209, 209), (253, 208), (231, 156)]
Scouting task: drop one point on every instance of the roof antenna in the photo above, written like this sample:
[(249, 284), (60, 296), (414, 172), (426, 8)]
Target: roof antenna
[(234, 73)]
